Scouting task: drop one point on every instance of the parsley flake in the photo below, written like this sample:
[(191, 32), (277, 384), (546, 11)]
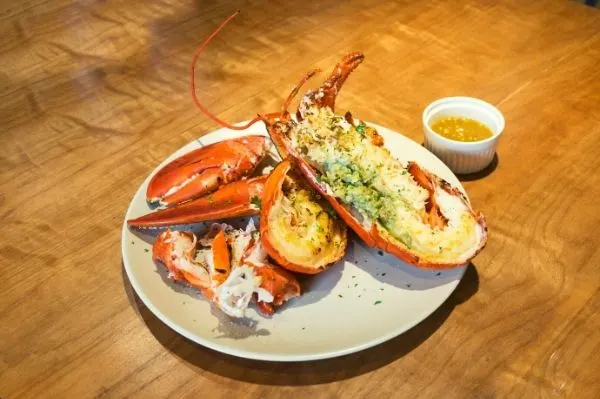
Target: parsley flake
[(377, 302), (361, 128), (255, 201)]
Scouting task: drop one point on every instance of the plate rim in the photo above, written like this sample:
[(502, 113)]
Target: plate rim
[(273, 357)]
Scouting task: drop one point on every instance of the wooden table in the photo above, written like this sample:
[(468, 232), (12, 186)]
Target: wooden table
[(95, 94)]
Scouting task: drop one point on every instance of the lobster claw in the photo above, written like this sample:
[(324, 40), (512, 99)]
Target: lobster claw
[(204, 170), (237, 199)]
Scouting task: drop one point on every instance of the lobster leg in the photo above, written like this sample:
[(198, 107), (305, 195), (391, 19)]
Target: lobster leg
[(433, 214), (326, 95), (236, 199)]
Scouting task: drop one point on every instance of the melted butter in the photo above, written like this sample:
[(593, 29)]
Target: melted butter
[(461, 129)]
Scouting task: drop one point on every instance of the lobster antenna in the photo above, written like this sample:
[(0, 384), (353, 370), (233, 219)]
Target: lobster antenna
[(296, 89), (193, 80)]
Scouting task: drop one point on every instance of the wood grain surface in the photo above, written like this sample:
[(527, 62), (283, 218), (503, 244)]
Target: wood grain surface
[(94, 94)]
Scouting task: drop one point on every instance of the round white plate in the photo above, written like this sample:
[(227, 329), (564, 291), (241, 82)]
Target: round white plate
[(364, 300)]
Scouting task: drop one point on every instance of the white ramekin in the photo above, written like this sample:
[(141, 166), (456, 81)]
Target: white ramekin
[(463, 157)]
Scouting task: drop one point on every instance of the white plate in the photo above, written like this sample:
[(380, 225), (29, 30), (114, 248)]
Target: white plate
[(363, 300)]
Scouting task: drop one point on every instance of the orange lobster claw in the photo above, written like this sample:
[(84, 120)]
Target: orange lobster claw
[(236, 199), (202, 171)]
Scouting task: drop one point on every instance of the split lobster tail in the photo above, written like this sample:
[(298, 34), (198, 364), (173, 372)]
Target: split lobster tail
[(299, 230), (404, 210)]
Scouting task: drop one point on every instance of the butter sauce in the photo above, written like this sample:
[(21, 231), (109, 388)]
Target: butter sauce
[(461, 129)]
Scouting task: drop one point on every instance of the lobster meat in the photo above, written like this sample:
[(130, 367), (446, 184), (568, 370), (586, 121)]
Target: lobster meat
[(299, 229), (228, 266)]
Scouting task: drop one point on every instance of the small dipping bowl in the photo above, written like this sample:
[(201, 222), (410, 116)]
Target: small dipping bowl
[(463, 157)]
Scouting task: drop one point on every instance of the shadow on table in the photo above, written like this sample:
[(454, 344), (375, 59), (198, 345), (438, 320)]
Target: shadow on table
[(303, 373), (483, 173)]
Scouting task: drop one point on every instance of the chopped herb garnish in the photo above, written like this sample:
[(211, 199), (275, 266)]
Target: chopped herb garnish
[(377, 302), (255, 201), (146, 250), (340, 295), (438, 274), (361, 128), (319, 178), (353, 276), (355, 284), (382, 274), (132, 243), (408, 285), (380, 253)]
